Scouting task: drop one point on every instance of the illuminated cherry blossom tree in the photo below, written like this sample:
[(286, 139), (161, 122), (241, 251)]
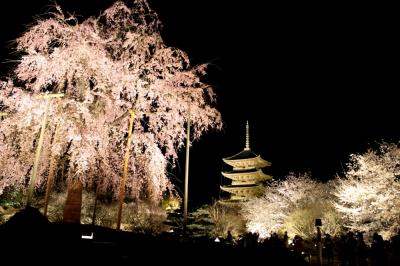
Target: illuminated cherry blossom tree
[(104, 66), (369, 194), (291, 205)]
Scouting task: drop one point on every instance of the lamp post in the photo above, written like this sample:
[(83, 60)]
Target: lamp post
[(185, 204), (32, 180), (125, 173)]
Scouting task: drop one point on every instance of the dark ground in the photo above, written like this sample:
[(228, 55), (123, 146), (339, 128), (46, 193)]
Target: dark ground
[(29, 237)]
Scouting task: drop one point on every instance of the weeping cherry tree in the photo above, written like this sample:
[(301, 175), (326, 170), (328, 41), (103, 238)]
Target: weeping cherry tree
[(104, 66)]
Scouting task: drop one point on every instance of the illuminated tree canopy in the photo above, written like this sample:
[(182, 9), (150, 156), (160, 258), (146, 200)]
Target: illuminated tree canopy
[(369, 194), (292, 205), (104, 66)]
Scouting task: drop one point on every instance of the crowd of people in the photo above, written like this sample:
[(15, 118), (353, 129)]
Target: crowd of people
[(352, 249), (345, 250)]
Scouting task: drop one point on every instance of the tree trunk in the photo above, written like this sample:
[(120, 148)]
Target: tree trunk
[(72, 209)]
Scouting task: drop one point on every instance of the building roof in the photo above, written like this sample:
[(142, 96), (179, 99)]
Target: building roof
[(238, 188), (247, 175), (253, 162), (246, 158), (244, 154)]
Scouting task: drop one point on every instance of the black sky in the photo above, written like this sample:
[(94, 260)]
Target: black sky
[(316, 82)]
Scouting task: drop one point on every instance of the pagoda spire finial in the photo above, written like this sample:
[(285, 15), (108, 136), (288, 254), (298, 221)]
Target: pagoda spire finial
[(247, 147)]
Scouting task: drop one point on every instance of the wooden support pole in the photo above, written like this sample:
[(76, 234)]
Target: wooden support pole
[(125, 173), (32, 180)]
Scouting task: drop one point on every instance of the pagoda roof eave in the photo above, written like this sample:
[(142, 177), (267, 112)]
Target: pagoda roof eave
[(244, 154), (232, 189), (254, 161), (253, 175), (230, 202)]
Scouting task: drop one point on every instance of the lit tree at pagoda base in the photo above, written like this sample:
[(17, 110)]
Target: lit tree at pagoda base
[(368, 196), (292, 205), (104, 66)]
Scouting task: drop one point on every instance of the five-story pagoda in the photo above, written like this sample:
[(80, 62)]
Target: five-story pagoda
[(246, 174)]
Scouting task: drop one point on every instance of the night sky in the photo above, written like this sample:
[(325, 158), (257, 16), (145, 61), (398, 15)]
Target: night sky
[(316, 82)]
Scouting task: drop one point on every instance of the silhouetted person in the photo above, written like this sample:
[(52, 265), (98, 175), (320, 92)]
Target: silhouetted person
[(298, 245), (286, 240), (328, 244), (361, 250), (275, 241), (395, 250), (229, 237), (377, 250), (250, 240), (351, 245), (341, 249)]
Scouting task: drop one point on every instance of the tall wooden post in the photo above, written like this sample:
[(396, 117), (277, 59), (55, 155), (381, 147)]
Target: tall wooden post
[(32, 180), (185, 205), (50, 178), (125, 173)]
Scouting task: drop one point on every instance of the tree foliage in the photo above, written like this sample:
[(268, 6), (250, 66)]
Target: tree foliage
[(104, 66), (292, 205), (368, 196), (226, 218)]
